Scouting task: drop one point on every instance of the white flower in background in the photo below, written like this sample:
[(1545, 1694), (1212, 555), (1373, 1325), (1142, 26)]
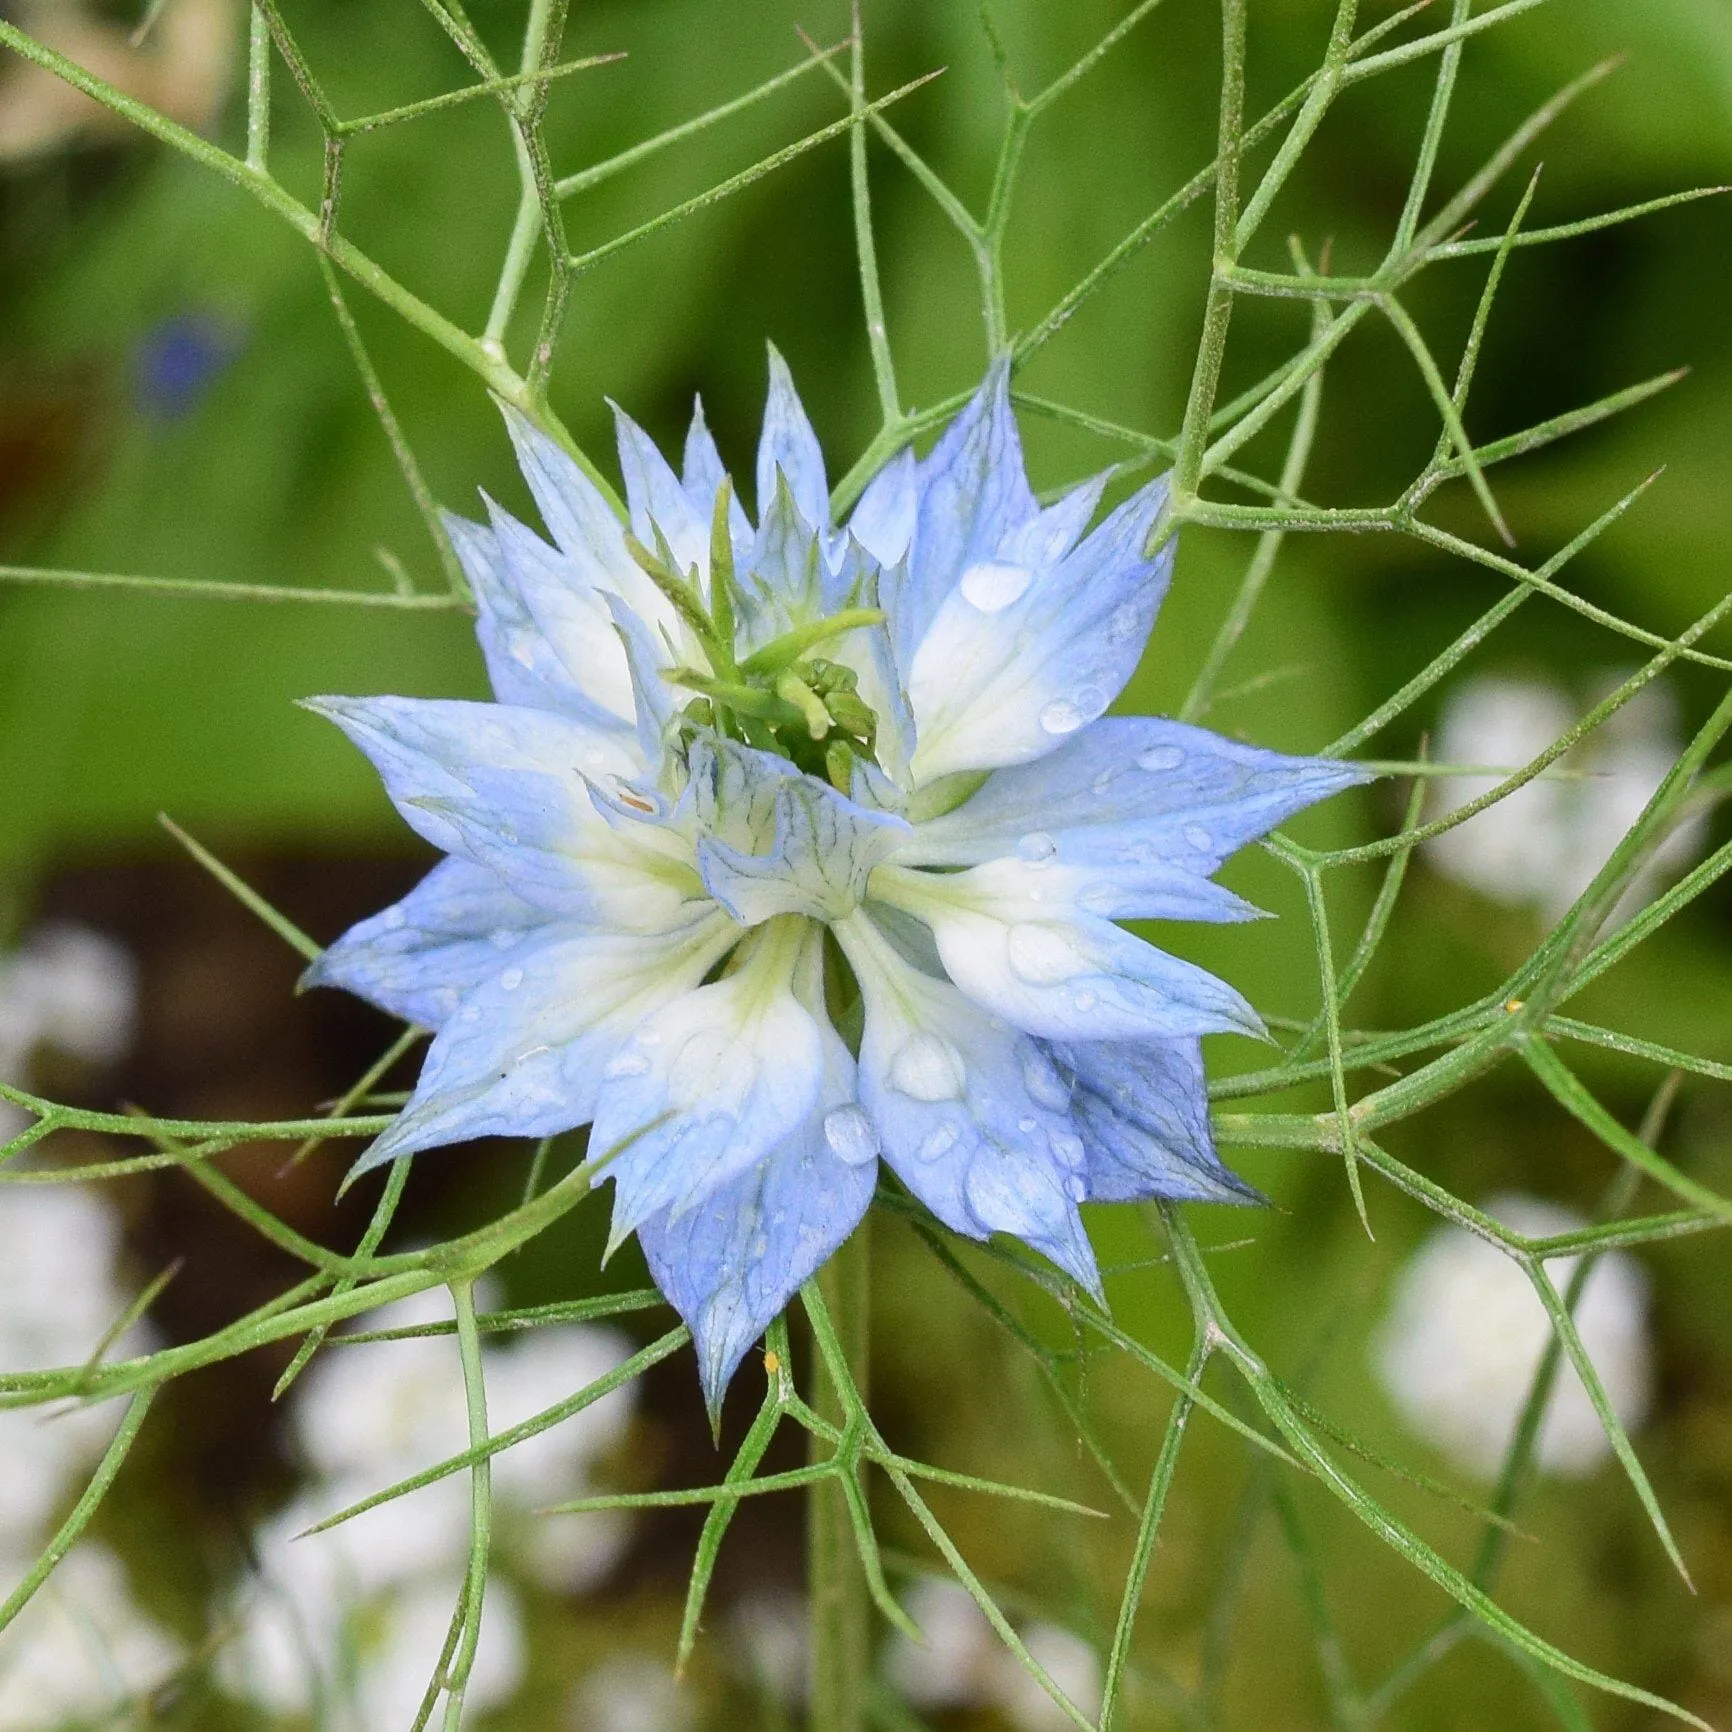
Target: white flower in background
[(81, 1652), (357, 1617), (963, 1663), (630, 1693), (1541, 846), (1070, 1662), (772, 1638), (60, 1292), (1466, 1330), (68, 988)]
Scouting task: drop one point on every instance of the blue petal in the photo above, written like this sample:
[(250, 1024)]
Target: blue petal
[(657, 500), (1143, 1113), (730, 1265), (1059, 973), (883, 520), (521, 664), (1132, 791), (973, 495), (789, 447), (523, 1054), (783, 577), (702, 472), (420, 957), (504, 787), (553, 601), (577, 515), (973, 1116), (705, 1088), (1019, 657), (813, 858)]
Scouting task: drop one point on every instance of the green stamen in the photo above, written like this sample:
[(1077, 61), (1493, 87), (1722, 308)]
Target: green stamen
[(784, 651)]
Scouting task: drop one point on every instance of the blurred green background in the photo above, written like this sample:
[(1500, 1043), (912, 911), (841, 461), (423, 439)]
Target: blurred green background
[(274, 470)]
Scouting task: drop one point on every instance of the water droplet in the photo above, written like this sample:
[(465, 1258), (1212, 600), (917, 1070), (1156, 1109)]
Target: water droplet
[(1061, 717), (1036, 848), (630, 1062), (851, 1134), (469, 1013), (1091, 700), (1123, 625), (927, 1068), (1068, 1147), (1085, 1001), (1045, 1086), (503, 937), (395, 919), (1198, 837), (1027, 1123), (1076, 1187), (511, 979), (991, 587), (1042, 954), (1160, 758), (938, 1142)]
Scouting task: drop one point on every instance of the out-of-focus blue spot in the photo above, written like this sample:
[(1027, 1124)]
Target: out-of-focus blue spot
[(177, 361)]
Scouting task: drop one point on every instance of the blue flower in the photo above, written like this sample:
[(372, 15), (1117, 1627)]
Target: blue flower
[(714, 743)]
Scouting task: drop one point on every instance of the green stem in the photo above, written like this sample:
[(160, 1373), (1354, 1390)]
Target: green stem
[(836, 1587)]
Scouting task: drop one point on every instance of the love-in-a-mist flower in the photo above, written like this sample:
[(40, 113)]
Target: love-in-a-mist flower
[(791, 849)]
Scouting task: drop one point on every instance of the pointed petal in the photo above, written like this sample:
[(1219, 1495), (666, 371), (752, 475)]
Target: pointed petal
[(702, 472), (571, 616), (1143, 1113), (1132, 791), (523, 1054), (504, 787), (654, 703), (973, 1116), (420, 957), (883, 520), (656, 498), (1061, 974), (521, 664), (789, 447), (1019, 657), (730, 1265), (708, 1086), (783, 580), (577, 515), (973, 496)]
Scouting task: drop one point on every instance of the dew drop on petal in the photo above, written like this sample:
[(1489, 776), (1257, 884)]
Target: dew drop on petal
[(630, 1062), (1068, 1147), (992, 587), (394, 918), (511, 979), (926, 1068), (1160, 758), (503, 937), (469, 1013), (1091, 700), (938, 1142), (1042, 954), (1085, 1001), (1045, 1086), (1036, 848), (1198, 837), (1077, 1188), (1123, 625), (851, 1134), (1027, 1123), (1061, 717)]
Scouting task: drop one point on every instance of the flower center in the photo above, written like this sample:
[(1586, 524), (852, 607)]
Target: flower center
[(780, 698)]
